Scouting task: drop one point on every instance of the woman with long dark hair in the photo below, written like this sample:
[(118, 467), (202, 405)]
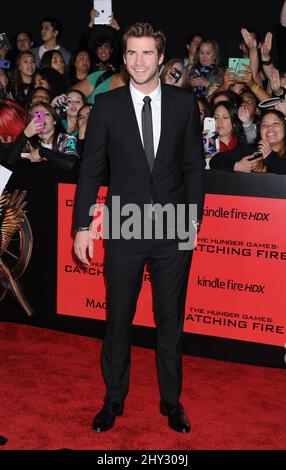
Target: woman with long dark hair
[(228, 126), (79, 66), (52, 143), (42, 139), (52, 80), (271, 145), (53, 59), (22, 78)]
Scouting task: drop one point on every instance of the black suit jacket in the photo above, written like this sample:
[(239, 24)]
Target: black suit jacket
[(113, 134)]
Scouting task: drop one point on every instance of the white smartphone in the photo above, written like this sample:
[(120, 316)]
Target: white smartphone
[(209, 125), (104, 8)]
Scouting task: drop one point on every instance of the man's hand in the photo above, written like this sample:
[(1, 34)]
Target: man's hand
[(83, 245)]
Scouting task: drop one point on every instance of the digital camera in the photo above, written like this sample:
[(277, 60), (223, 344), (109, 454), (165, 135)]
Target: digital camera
[(176, 74), (63, 107)]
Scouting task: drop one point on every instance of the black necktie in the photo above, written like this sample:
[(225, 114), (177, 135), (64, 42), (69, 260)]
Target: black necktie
[(147, 131)]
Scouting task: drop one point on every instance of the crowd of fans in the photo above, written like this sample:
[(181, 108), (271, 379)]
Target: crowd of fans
[(48, 92)]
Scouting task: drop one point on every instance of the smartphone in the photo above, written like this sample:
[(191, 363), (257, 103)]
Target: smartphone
[(4, 41), (196, 74), (237, 64), (104, 8), (5, 64), (209, 125), (39, 117), (256, 155), (26, 151)]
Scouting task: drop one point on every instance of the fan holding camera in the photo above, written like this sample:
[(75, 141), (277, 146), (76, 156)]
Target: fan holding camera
[(268, 154), (173, 73), (38, 140), (67, 107), (206, 71), (49, 142)]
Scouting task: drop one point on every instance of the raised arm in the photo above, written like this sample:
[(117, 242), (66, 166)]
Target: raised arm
[(283, 15)]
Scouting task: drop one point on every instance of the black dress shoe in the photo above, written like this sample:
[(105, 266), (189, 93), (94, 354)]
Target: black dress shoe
[(177, 419), (105, 419)]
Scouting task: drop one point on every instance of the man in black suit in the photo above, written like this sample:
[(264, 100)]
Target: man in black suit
[(150, 134)]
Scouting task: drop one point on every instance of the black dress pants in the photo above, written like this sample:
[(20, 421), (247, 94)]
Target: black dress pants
[(169, 268)]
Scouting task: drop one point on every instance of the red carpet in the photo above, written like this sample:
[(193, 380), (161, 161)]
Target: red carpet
[(51, 387)]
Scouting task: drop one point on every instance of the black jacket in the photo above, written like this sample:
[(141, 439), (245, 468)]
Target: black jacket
[(113, 135)]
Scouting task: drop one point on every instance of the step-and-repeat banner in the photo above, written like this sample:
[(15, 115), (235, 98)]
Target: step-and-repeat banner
[(237, 282)]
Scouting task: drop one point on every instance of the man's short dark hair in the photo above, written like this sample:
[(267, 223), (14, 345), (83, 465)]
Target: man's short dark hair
[(56, 24), (140, 30)]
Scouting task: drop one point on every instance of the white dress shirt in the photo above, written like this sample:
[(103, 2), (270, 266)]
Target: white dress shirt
[(137, 98)]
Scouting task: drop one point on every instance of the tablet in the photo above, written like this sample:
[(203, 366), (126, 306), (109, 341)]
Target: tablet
[(104, 8)]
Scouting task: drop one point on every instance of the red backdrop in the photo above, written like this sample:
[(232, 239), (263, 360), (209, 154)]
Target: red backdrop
[(237, 277)]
